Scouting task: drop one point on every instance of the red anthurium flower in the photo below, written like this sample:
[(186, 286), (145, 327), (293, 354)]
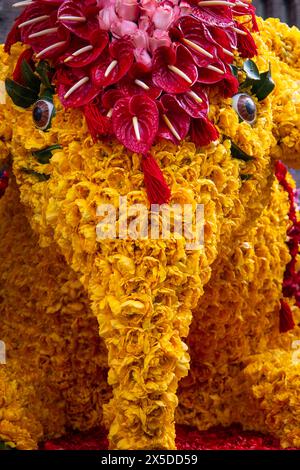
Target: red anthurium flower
[(27, 56), (81, 52), (174, 70), (31, 12), (212, 74), (197, 38), (246, 44), (139, 86), (110, 98), (98, 124), (194, 102), (78, 17), (135, 122), (14, 35), (174, 122), (75, 87), (226, 42), (114, 63), (203, 132), (220, 16), (47, 39)]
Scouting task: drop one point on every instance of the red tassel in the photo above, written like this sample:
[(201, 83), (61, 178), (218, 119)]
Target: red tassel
[(156, 186), (246, 44), (286, 317), (98, 124), (203, 132)]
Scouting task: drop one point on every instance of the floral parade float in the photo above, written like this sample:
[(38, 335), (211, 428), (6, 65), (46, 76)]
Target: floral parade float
[(180, 102)]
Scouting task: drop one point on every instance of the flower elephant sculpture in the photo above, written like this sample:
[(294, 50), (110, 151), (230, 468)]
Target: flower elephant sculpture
[(159, 103)]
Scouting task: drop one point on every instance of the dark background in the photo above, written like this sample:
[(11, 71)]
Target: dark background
[(287, 10)]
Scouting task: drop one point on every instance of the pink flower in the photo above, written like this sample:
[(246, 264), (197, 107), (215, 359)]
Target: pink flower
[(158, 39), (141, 39), (142, 56), (107, 17), (105, 3), (185, 8), (149, 7), (165, 15), (144, 23), (122, 28), (127, 9)]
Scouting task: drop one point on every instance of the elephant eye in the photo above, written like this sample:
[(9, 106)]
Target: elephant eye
[(245, 107), (42, 114)]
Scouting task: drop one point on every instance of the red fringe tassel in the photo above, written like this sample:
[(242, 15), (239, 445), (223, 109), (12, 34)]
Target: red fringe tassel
[(156, 186)]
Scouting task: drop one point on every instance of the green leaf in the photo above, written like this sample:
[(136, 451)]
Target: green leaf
[(21, 96), (4, 446), (40, 176), (47, 94), (43, 69), (234, 70), (238, 153), (251, 70), (246, 177), (32, 81), (43, 156), (246, 84), (264, 86)]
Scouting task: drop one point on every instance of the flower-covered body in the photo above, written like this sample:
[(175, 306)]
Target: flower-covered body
[(156, 302)]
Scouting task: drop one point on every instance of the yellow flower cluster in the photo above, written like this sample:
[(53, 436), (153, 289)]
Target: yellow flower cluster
[(242, 369), (143, 292), (49, 382)]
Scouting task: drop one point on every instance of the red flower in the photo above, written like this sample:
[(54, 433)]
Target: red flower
[(139, 86), (213, 75), (174, 122), (94, 48), (34, 10), (88, 24), (192, 33), (203, 132), (27, 56), (135, 122), (173, 69), (114, 63), (46, 34), (110, 97), (194, 102), (66, 79), (225, 40), (212, 16)]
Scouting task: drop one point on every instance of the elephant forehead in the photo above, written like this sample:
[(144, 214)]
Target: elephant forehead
[(83, 174)]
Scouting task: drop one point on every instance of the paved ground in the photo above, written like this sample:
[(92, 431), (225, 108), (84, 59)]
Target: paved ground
[(7, 14)]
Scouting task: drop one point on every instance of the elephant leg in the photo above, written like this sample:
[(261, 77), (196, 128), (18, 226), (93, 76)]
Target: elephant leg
[(142, 294), (269, 398), (55, 375)]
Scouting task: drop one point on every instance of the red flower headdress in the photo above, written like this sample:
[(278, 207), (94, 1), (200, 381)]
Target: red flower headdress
[(139, 69)]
